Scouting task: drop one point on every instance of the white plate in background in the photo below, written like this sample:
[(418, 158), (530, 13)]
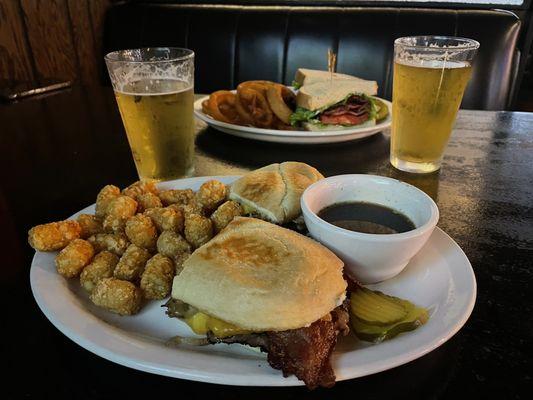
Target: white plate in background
[(301, 137)]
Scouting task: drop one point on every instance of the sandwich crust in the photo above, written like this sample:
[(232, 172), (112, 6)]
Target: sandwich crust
[(305, 76), (274, 191), (261, 277)]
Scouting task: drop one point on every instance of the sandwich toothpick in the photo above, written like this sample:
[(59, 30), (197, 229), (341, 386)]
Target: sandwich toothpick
[(332, 61)]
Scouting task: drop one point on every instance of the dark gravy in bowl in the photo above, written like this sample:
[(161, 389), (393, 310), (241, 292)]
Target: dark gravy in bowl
[(366, 217)]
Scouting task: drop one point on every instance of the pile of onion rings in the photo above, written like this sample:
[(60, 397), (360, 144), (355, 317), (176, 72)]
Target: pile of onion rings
[(262, 104)]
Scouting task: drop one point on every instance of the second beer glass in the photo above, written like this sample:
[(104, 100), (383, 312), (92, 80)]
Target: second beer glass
[(430, 76)]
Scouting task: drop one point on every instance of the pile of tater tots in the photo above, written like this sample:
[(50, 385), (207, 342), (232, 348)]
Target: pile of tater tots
[(136, 242)]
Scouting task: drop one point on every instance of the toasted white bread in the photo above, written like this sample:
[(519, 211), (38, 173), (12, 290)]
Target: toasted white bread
[(273, 192), (326, 93), (261, 277), (306, 76)]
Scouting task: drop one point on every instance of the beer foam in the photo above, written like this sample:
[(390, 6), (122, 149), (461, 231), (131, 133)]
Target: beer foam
[(154, 87), (435, 64), (126, 74)]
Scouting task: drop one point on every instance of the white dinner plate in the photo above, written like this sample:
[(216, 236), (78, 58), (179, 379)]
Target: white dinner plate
[(439, 278), (302, 137)]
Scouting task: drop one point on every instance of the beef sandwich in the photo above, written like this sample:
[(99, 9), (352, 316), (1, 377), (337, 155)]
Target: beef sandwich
[(267, 287)]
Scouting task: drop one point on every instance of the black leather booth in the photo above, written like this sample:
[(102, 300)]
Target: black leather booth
[(238, 43)]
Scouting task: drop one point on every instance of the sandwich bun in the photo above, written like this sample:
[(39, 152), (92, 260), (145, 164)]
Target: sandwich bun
[(261, 277), (274, 191)]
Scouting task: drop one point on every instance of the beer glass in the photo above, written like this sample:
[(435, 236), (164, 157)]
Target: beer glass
[(154, 92), (430, 76)]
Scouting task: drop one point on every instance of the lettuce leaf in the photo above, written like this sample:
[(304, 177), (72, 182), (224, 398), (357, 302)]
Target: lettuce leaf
[(302, 115), (296, 85)]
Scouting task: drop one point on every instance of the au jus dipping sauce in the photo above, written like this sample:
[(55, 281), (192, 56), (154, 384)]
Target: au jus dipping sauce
[(366, 217)]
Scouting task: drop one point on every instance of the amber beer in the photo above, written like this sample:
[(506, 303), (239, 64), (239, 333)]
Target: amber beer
[(158, 118), (427, 92), (426, 100), (154, 91)]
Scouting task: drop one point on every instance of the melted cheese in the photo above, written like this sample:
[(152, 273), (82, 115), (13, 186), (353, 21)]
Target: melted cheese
[(202, 323)]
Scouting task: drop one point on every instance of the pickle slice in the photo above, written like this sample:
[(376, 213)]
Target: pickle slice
[(383, 110), (376, 308), (370, 324)]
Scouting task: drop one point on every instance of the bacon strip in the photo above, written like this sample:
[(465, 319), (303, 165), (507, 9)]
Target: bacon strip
[(355, 111), (303, 352)]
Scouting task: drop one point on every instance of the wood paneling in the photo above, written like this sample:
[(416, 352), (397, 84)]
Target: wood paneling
[(15, 58), (83, 39), (51, 39), (97, 10)]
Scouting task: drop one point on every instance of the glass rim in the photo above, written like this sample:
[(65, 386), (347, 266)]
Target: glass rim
[(113, 55), (469, 44)]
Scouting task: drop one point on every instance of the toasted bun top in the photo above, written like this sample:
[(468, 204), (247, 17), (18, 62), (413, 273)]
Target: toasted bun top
[(274, 191), (261, 277), (326, 93)]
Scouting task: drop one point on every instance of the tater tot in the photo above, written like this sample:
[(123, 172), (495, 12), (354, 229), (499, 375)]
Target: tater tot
[(118, 211), (210, 195), (72, 259), (146, 201), (90, 225), (156, 280), (115, 295), (115, 243), (53, 236), (104, 198), (187, 209), (122, 206), (176, 196), (166, 219), (170, 244), (131, 265), (114, 224), (198, 230), (224, 214), (141, 231), (179, 260), (102, 266), (139, 188)]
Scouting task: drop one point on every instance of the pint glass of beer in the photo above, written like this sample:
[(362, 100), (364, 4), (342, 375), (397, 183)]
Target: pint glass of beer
[(430, 76), (154, 88)]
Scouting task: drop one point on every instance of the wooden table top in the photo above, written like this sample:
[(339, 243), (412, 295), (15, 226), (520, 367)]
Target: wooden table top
[(59, 150)]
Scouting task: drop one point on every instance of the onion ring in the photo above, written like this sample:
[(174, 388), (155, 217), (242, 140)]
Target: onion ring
[(221, 106), (256, 106), (244, 114), (260, 86), (205, 106), (278, 97)]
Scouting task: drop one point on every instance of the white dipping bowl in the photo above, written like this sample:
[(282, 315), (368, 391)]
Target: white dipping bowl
[(370, 258)]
